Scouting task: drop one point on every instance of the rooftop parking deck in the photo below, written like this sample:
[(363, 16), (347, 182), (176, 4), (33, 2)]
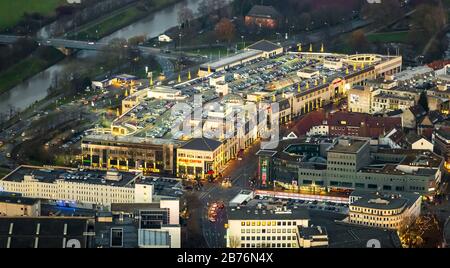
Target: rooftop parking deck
[(51, 175)]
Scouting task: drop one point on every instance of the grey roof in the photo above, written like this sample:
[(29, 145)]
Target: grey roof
[(353, 146), (254, 213), (310, 232), (264, 11), (412, 137), (264, 45), (201, 144), (395, 112), (224, 62), (383, 200), (18, 200), (53, 231), (50, 175)]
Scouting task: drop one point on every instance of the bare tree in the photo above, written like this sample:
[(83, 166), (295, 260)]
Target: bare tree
[(185, 16)]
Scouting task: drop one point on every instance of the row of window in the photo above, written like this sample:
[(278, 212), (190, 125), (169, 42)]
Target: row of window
[(375, 224), (273, 231), (257, 238), (268, 223), (268, 245)]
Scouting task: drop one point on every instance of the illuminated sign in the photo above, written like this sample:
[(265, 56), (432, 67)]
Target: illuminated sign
[(264, 173), (190, 161)]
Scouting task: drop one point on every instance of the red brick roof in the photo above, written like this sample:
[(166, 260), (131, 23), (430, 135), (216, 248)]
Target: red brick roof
[(311, 119), (438, 64), (367, 125)]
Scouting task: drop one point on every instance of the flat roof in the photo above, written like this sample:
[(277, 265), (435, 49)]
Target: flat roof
[(383, 200), (18, 200), (51, 175), (129, 140), (310, 232), (347, 145), (253, 213), (164, 89), (53, 231), (232, 59), (201, 144)]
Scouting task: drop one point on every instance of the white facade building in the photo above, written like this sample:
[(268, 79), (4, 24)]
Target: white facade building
[(66, 184), (388, 211), (265, 228)]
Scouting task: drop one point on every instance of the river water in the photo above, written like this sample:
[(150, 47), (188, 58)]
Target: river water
[(35, 88)]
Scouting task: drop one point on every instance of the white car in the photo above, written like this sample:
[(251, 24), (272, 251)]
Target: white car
[(91, 43)]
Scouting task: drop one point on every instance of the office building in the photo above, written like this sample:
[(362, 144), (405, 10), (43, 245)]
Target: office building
[(383, 210), (87, 188), (268, 227), (350, 163)]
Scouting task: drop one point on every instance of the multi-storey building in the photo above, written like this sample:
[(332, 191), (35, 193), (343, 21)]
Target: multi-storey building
[(381, 96), (356, 124), (199, 157), (387, 211), (84, 188), (352, 163), (265, 227), (105, 151)]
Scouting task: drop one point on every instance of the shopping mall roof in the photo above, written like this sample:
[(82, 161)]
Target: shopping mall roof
[(201, 144), (264, 45)]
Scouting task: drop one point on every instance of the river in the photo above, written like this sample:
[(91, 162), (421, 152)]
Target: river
[(35, 88)]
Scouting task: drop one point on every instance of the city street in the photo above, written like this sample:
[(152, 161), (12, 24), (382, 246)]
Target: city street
[(239, 171)]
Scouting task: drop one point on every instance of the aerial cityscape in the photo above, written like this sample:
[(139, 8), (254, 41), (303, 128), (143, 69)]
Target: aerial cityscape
[(218, 124)]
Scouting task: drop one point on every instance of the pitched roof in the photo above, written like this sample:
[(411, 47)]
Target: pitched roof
[(201, 144), (395, 112), (417, 110), (264, 11), (311, 119), (398, 136), (412, 137), (444, 132), (435, 116), (264, 45)]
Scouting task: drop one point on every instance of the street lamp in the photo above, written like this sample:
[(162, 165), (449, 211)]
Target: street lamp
[(243, 42)]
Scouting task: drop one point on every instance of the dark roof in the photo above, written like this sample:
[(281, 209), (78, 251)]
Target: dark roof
[(435, 116), (18, 200), (398, 136), (264, 11), (53, 231), (264, 45), (51, 174), (384, 200), (254, 213), (412, 137), (201, 144), (417, 110), (395, 112), (444, 132)]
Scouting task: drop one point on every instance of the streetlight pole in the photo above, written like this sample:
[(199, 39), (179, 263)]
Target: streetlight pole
[(243, 42)]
